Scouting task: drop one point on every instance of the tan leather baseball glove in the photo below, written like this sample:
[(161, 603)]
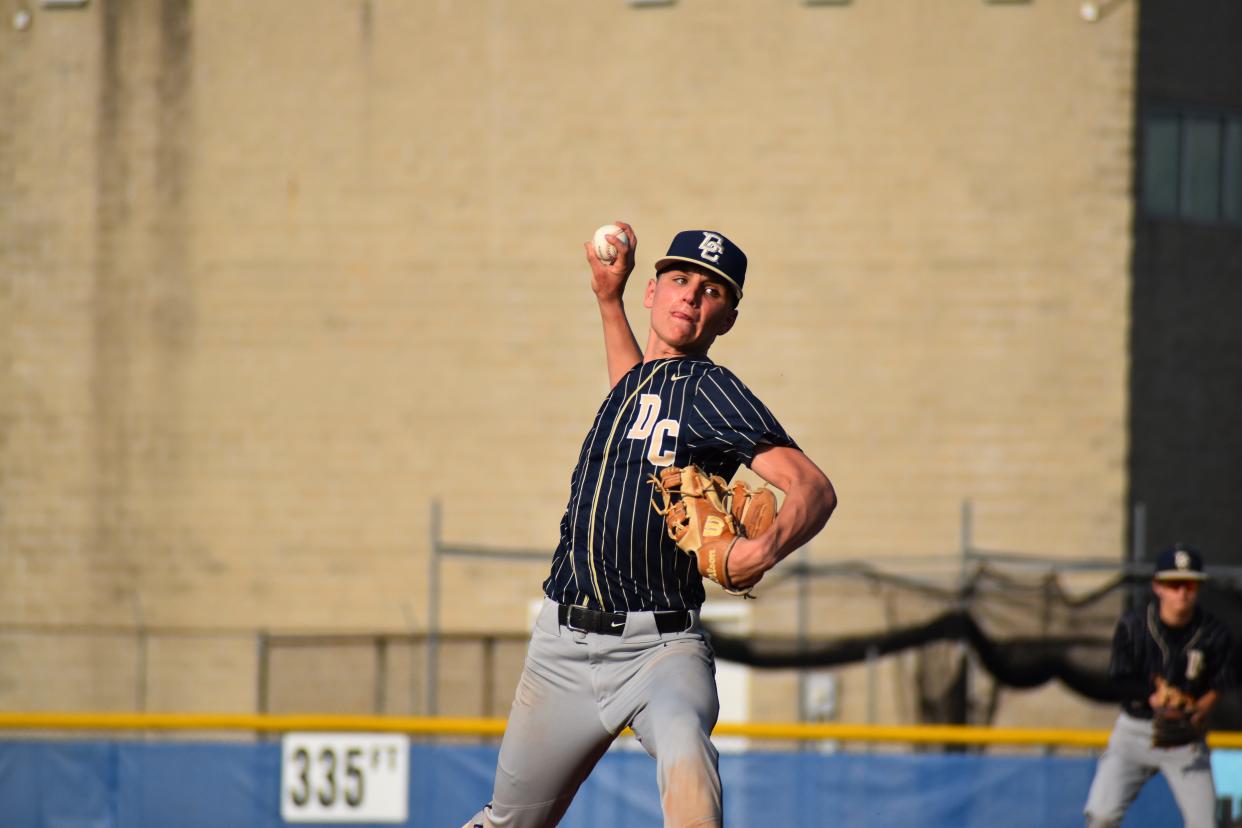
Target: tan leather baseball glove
[(1172, 723), (705, 517)]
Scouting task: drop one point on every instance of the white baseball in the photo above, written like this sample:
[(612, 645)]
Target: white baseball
[(607, 252)]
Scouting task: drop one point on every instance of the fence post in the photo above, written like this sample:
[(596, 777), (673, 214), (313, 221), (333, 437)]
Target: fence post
[(433, 612), (262, 655), (803, 613), (968, 540), (489, 674), (380, 700)]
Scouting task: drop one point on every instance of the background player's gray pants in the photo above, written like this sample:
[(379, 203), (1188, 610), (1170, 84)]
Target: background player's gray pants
[(1130, 760), (579, 690)]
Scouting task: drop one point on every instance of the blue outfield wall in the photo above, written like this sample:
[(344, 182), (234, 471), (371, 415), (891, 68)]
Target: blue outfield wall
[(226, 785)]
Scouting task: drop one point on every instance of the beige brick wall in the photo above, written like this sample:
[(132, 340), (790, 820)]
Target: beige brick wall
[(275, 275)]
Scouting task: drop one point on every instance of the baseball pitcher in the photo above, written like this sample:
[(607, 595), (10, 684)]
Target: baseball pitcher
[(618, 642)]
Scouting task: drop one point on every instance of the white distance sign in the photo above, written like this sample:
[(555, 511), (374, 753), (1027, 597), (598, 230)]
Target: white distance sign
[(345, 777)]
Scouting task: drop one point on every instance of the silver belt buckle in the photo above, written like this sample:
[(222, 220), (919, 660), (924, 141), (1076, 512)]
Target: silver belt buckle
[(569, 618)]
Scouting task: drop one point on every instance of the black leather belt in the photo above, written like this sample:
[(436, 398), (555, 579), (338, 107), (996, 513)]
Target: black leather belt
[(613, 623)]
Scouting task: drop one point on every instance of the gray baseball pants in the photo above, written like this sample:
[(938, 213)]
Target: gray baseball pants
[(1130, 760), (579, 690)]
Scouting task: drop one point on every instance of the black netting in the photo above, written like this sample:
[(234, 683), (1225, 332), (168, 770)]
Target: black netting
[(1024, 631)]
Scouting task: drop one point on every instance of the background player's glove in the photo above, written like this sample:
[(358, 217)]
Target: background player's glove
[(705, 517), (1172, 721)]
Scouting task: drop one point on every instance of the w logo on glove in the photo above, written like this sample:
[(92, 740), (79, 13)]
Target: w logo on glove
[(705, 517)]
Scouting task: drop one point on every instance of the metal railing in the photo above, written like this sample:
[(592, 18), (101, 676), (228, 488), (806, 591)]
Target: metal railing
[(494, 727)]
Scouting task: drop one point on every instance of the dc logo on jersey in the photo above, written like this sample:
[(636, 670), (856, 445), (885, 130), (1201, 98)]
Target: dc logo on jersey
[(712, 247), (648, 427)]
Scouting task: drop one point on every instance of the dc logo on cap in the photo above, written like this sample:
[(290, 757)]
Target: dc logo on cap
[(710, 250), (712, 247), (1181, 559)]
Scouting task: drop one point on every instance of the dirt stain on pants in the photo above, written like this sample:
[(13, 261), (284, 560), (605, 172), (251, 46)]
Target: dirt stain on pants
[(687, 796)]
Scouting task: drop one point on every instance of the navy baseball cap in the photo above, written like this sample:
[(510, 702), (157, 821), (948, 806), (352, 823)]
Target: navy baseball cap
[(1179, 563), (709, 249)]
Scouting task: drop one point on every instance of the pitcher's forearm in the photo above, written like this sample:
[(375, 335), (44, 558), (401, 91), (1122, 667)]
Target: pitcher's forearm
[(806, 509), (809, 498), (620, 347)]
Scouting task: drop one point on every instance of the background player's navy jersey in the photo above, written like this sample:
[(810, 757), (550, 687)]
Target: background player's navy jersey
[(1194, 658), (615, 553)]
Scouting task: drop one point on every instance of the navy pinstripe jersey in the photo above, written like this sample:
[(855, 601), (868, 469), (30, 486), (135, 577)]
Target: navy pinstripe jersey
[(615, 553), (1195, 658)]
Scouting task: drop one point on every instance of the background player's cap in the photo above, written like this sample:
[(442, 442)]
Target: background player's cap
[(1179, 563), (709, 249)]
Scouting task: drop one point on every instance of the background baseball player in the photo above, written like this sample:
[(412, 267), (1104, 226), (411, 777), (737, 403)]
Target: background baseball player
[(1171, 662), (618, 642)]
